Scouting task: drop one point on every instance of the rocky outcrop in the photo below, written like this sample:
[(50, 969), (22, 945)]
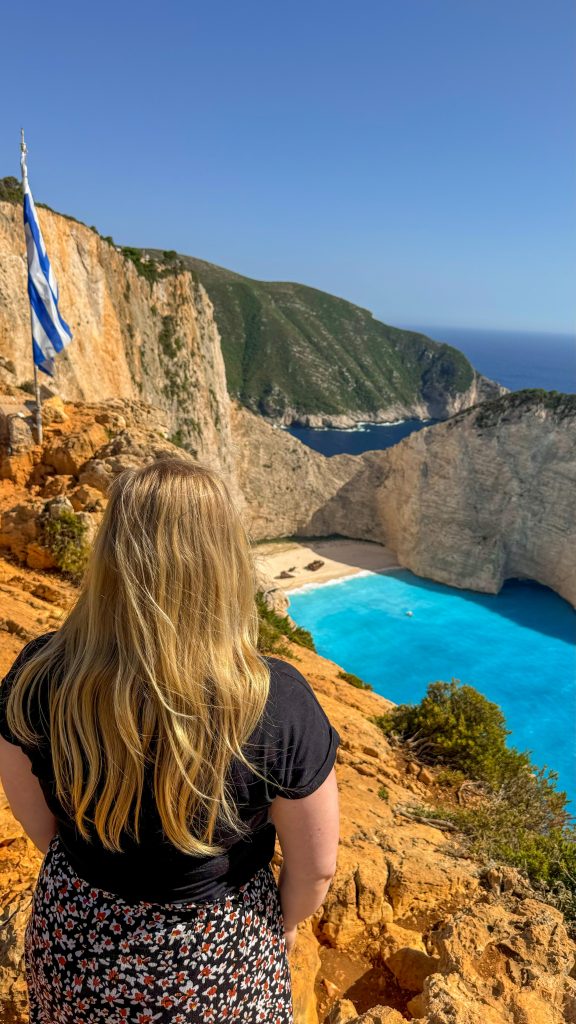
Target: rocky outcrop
[(84, 447), (151, 338), (501, 959)]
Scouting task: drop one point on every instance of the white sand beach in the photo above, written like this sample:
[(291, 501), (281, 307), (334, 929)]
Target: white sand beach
[(341, 557)]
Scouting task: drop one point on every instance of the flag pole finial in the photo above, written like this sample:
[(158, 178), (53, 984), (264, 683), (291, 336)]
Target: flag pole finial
[(23, 154)]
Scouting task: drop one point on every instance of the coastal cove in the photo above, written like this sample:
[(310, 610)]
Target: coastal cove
[(400, 632), (355, 440)]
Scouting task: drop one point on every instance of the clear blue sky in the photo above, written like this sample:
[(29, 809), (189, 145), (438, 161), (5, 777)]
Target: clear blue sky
[(414, 156)]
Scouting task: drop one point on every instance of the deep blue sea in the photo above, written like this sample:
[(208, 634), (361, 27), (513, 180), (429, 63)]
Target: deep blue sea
[(518, 648), (362, 439), (517, 359), (513, 358)]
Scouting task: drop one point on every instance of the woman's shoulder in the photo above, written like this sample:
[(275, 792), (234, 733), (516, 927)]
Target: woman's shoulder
[(37, 711), (291, 694), (302, 737), (285, 675), (26, 652)]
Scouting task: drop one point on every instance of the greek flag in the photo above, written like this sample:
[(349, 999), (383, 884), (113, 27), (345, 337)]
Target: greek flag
[(50, 333)]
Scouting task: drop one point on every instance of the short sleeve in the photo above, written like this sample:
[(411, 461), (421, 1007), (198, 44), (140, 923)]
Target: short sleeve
[(8, 682), (305, 741)]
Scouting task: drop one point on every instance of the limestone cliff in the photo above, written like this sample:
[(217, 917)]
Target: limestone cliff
[(151, 337), (487, 496), (292, 490)]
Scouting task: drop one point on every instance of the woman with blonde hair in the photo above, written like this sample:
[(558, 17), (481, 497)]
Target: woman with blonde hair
[(152, 754)]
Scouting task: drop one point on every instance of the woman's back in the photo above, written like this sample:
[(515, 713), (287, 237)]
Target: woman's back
[(159, 755), (293, 746)]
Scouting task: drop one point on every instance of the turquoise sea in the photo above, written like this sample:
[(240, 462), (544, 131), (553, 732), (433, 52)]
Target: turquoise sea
[(518, 648)]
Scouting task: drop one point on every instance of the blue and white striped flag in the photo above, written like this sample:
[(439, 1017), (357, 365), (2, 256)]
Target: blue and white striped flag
[(50, 333)]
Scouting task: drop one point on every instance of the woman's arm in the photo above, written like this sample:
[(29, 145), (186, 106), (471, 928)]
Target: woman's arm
[(308, 830), (25, 795)]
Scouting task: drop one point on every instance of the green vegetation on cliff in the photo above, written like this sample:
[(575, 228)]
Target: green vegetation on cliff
[(516, 404), (64, 534), (516, 815), (275, 629), (290, 347), (11, 192)]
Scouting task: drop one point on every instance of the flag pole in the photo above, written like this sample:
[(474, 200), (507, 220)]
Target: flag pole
[(39, 433)]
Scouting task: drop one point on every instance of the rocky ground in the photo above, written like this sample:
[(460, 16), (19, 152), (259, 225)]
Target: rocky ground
[(412, 928)]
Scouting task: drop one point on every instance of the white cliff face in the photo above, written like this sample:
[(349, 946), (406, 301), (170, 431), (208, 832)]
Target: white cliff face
[(485, 497), (156, 341), (289, 489)]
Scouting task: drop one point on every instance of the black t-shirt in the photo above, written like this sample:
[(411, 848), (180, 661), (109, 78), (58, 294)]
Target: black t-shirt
[(294, 744)]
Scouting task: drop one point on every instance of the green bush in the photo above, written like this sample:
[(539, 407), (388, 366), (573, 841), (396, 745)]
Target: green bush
[(64, 535), (456, 726), (275, 629), (499, 829), (349, 677), (518, 816), (11, 190)]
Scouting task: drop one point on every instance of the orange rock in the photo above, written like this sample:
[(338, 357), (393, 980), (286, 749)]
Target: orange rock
[(16, 468), (53, 411), (304, 964), (394, 938), (342, 1012), (86, 497), (381, 1015), (66, 456), (411, 967), (38, 557), (55, 486)]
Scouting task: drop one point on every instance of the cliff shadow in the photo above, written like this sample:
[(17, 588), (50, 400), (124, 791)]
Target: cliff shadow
[(526, 602)]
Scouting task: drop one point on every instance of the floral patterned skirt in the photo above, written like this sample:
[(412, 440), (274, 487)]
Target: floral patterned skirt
[(91, 957)]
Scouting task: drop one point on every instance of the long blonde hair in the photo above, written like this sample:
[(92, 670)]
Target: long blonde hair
[(157, 662)]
